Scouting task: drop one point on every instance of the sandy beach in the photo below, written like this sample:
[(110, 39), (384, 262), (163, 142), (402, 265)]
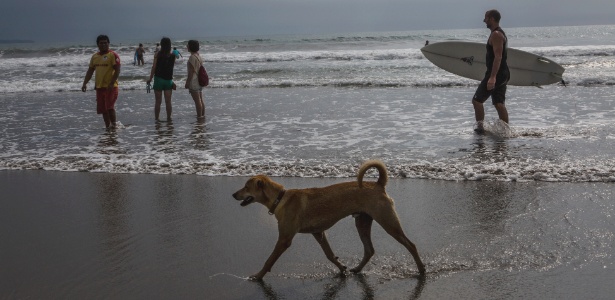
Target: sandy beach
[(70, 235)]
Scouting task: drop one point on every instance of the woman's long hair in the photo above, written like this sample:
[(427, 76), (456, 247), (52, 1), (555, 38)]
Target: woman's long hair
[(165, 46)]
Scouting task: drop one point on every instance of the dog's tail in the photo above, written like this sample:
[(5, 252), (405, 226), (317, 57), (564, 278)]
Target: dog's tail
[(383, 175)]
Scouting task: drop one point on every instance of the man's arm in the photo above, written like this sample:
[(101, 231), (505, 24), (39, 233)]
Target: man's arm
[(116, 75), (497, 42), (88, 76)]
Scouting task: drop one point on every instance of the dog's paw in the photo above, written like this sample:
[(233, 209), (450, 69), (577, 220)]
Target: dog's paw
[(355, 270), (342, 268), (422, 270), (341, 274), (256, 277)]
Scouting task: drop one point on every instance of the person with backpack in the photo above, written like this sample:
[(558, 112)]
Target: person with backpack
[(195, 62)]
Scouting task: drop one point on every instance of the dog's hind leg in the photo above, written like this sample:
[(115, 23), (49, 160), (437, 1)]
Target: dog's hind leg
[(390, 222), (363, 222), (321, 238)]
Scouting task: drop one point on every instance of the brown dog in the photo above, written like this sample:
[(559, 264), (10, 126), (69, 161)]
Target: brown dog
[(317, 209)]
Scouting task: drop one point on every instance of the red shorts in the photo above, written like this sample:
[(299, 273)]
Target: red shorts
[(105, 99)]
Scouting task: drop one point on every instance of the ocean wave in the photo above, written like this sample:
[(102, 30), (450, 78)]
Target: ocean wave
[(334, 55), (391, 54), (562, 55), (131, 83), (46, 52), (589, 82), (70, 55), (352, 60), (574, 51), (521, 170), (350, 83)]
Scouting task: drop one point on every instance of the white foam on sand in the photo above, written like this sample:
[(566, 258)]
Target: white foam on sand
[(317, 132)]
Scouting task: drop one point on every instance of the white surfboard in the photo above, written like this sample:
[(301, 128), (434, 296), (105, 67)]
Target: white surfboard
[(467, 59)]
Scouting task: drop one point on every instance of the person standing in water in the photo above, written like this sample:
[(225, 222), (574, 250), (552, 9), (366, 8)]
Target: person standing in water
[(140, 54), (134, 63), (497, 74), (106, 64), (192, 82), (162, 73), (177, 54)]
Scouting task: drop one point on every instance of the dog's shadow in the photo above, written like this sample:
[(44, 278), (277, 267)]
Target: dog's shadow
[(268, 291), (339, 283)]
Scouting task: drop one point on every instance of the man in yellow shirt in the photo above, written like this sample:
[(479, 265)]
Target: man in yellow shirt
[(106, 63)]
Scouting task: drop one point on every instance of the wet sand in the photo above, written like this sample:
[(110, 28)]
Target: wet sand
[(68, 235)]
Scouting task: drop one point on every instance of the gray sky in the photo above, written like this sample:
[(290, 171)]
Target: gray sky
[(83, 20)]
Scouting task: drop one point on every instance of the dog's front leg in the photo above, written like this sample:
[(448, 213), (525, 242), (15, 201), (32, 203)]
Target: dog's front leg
[(321, 237), (282, 244)]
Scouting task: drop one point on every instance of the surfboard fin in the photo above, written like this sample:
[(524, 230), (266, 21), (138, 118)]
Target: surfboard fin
[(560, 77), (537, 85), (556, 75)]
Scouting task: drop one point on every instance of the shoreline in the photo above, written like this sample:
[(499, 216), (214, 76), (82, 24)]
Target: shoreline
[(308, 137)]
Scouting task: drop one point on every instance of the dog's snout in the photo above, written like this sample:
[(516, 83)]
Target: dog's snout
[(238, 195)]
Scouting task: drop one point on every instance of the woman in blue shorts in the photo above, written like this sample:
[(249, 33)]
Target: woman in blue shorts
[(162, 72)]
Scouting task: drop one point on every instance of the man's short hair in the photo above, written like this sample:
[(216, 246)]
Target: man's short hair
[(495, 14), (102, 37)]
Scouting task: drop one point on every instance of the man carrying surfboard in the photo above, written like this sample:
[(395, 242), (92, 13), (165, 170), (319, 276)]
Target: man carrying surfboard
[(497, 75)]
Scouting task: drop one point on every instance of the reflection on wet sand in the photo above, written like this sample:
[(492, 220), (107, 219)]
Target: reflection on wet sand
[(109, 144), (491, 205), (268, 291), (132, 236), (336, 288), (198, 136), (164, 140), (168, 203), (114, 224), (490, 201), (495, 152), (333, 290)]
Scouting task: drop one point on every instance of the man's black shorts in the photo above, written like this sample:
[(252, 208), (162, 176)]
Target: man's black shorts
[(498, 94)]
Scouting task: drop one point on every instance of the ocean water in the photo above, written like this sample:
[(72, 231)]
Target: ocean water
[(317, 106)]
